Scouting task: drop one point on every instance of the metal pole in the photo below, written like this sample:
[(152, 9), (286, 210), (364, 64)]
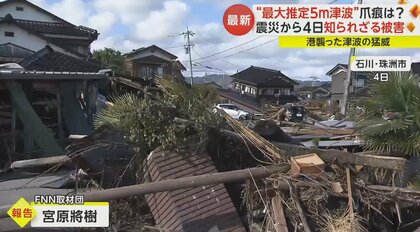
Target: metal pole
[(182, 183), (189, 53), (175, 184), (343, 107)]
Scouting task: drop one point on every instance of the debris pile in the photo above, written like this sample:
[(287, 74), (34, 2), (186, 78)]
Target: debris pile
[(329, 191), (174, 162)]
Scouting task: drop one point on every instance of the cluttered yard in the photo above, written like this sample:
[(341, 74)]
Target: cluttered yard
[(168, 160)]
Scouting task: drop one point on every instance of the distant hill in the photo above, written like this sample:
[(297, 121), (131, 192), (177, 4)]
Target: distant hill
[(222, 80)]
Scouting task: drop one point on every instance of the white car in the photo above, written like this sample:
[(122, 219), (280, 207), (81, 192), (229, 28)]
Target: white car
[(234, 111)]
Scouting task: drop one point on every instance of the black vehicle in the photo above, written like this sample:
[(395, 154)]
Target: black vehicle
[(295, 113)]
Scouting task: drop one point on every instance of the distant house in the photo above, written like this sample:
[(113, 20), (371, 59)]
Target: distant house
[(26, 28), (313, 92), (264, 84), (146, 63), (358, 83)]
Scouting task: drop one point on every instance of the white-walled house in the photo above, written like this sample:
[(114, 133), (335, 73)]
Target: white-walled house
[(26, 28), (48, 85)]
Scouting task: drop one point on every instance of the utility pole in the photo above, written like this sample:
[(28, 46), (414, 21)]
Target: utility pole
[(343, 107), (188, 49)]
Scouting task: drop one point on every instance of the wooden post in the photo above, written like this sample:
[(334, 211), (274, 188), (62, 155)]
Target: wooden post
[(295, 197), (279, 219), (350, 196)]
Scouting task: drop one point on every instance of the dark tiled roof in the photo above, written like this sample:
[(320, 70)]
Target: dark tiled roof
[(342, 66), (64, 27), (58, 28), (36, 8), (248, 101), (49, 60), (153, 47), (264, 77), (11, 21), (191, 209)]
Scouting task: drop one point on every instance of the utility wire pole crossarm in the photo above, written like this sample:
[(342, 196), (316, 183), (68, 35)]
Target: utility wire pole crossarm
[(343, 107), (188, 49)]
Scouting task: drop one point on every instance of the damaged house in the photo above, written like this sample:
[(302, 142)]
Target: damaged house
[(255, 86), (147, 62), (48, 86)]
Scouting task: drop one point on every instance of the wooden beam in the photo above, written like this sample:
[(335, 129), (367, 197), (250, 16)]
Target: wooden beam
[(333, 156), (132, 84), (175, 184), (35, 129), (294, 194), (182, 183), (40, 162), (280, 224), (393, 189), (350, 196), (344, 158)]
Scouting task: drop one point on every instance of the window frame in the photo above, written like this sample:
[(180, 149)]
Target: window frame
[(9, 34)]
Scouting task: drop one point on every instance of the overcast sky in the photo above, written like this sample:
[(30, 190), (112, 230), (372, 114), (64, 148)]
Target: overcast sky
[(130, 24)]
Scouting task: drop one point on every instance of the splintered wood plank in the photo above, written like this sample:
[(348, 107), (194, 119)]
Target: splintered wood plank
[(280, 223)]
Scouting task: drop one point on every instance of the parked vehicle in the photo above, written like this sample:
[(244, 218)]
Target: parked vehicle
[(295, 113), (234, 111)]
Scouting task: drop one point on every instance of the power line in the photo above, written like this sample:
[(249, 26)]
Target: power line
[(228, 49), (206, 66), (178, 46), (243, 50)]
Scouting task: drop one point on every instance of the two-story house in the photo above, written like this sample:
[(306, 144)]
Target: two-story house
[(48, 86), (26, 28), (149, 62), (358, 83), (263, 84)]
